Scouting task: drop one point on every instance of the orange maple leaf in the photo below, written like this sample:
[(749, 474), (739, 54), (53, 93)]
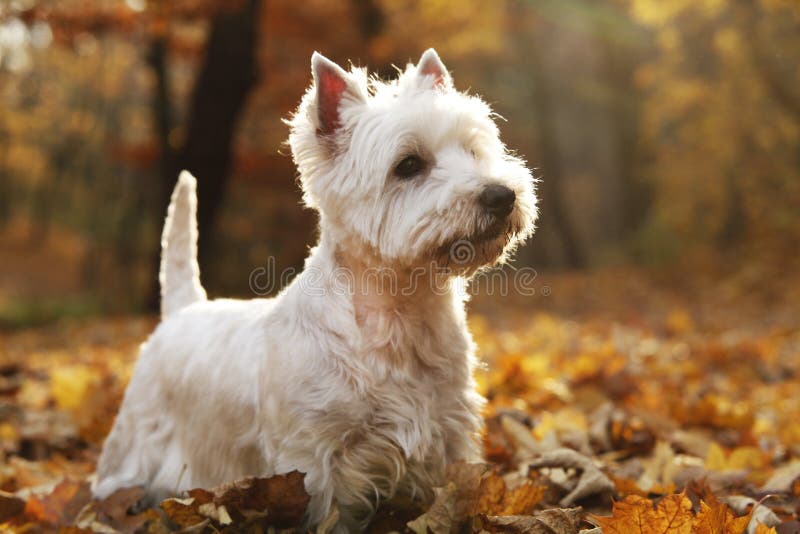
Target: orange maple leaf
[(636, 515), (718, 518)]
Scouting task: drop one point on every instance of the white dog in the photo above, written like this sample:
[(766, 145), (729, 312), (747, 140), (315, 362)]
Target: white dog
[(359, 374)]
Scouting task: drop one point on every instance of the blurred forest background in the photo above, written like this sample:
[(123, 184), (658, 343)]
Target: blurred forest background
[(666, 133)]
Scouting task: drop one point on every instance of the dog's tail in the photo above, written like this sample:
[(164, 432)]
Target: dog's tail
[(180, 274)]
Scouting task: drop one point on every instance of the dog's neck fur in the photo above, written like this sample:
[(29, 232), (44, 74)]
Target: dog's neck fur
[(393, 317), (378, 288)]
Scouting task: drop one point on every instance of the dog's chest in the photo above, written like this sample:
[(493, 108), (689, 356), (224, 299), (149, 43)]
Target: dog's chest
[(419, 370)]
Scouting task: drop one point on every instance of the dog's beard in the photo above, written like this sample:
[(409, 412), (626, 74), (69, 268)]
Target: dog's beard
[(465, 254)]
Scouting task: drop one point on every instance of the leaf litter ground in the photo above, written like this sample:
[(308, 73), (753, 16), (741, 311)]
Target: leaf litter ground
[(614, 408)]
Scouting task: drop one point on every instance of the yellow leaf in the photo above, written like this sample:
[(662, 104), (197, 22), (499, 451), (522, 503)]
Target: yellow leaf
[(715, 459), (747, 458), (740, 458), (763, 529), (69, 384), (679, 322)]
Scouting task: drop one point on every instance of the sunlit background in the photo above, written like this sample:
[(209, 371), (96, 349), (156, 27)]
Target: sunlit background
[(666, 135), (658, 336)]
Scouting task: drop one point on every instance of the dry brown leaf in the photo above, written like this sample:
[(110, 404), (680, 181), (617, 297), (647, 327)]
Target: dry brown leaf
[(591, 481), (183, 512), (10, 506), (474, 489), (629, 433), (278, 501), (61, 506), (521, 437), (553, 521), (446, 514), (118, 511), (283, 496), (496, 498), (757, 512), (784, 479), (659, 470)]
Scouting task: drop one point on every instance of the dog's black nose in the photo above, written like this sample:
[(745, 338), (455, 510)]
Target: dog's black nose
[(498, 200)]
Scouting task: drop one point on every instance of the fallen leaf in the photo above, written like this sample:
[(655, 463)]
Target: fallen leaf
[(278, 501), (119, 512), (783, 479), (10, 506), (717, 518), (473, 489), (591, 481), (446, 514), (630, 434), (740, 458), (759, 513), (553, 521), (659, 469), (69, 384), (61, 505), (496, 498), (636, 515), (521, 437), (183, 512)]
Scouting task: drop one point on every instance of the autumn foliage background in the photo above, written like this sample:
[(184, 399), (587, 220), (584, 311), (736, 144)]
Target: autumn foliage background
[(661, 340)]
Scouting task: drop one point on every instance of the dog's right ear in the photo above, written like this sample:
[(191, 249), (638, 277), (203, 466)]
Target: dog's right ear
[(334, 87), (430, 65)]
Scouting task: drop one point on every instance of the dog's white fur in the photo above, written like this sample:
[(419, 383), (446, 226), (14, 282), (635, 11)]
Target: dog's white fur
[(368, 391)]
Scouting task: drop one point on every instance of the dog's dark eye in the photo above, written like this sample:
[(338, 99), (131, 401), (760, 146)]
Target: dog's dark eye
[(409, 166)]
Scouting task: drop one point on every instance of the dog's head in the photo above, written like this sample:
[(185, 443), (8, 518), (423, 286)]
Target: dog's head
[(412, 169)]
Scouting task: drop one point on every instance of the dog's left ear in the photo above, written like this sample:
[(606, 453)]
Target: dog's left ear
[(334, 87), (430, 65)]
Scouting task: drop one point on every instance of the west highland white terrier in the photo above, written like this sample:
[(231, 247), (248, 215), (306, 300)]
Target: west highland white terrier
[(360, 373)]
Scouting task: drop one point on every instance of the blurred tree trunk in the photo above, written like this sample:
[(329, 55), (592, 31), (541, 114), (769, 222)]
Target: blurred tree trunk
[(553, 209), (162, 115), (52, 193), (371, 20), (620, 49), (5, 176), (777, 78), (734, 224), (779, 81), (372, 23), (227, 74)]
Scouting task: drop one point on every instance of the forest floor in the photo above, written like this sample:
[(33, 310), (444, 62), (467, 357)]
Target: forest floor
[(622, 400)]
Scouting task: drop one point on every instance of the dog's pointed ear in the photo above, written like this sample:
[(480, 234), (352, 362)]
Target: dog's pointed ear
[(333, 85), (430, 65)]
